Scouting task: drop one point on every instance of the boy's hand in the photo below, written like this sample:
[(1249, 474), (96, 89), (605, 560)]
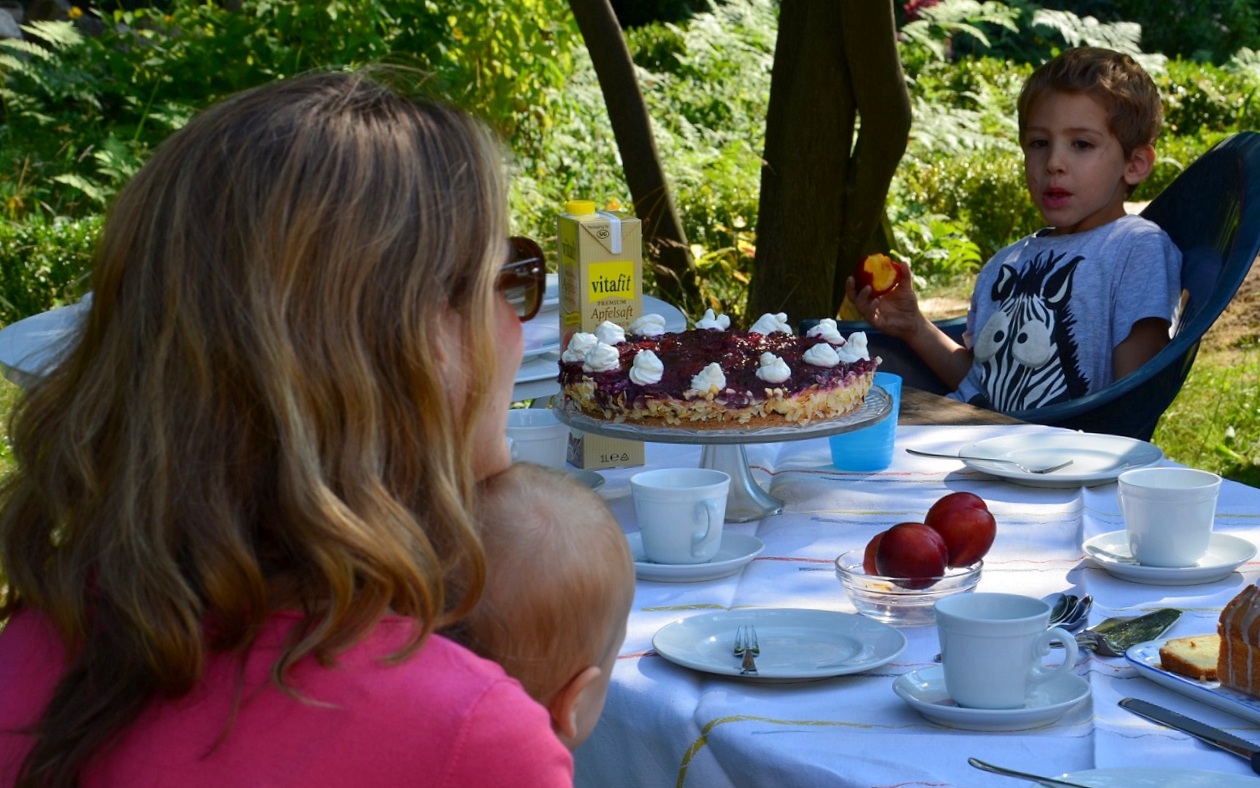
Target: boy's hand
[(895, 313)]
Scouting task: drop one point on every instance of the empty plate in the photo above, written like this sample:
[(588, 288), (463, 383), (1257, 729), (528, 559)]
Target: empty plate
[(796, 645), (1096, 459)]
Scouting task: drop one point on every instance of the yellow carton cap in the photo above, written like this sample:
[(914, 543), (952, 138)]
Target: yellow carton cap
[(579, 207)]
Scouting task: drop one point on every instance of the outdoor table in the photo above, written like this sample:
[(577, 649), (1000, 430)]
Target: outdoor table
[(669, 725)]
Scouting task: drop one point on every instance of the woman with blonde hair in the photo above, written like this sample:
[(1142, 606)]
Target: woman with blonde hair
[(242, 500)]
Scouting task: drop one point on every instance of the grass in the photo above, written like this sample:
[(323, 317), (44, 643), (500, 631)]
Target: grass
[(1214, 423)]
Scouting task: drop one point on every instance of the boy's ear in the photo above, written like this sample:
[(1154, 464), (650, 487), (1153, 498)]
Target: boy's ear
[(566, 706), (1141, 162)]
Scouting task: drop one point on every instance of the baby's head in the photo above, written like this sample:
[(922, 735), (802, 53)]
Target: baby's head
[(1115, 80), (559, 585)]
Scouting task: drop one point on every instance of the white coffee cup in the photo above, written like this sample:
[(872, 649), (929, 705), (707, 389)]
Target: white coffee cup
[(681, 513), (1168, 513), (536, 435), (992, 646)]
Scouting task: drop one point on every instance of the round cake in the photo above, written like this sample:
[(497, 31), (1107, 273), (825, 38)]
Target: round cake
[(711, 377)]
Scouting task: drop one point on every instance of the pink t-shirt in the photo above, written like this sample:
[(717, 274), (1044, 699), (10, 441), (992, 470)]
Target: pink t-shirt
[(445, 717)]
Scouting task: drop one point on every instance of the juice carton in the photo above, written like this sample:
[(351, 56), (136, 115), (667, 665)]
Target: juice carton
[(601, 279)]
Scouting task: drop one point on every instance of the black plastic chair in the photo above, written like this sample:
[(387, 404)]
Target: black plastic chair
[(1212, 212)]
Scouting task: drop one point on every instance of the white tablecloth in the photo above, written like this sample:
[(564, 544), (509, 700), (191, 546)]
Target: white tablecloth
[(668, 725)]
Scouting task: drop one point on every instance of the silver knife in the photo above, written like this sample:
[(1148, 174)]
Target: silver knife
[(1200, 730)]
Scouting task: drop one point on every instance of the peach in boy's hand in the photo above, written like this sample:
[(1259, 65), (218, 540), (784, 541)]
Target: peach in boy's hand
[(878, 272)]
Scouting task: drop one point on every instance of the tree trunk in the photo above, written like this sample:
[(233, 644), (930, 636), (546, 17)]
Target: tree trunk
[(666, 244), (822, 192)]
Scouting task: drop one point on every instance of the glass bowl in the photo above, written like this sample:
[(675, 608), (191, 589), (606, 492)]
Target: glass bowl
[(882, 599)]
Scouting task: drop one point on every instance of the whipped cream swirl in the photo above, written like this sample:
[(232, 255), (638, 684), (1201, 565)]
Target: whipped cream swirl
[(826, 329), (651, 325), (713, 321), (769, 324), (601, 358), (854, 348), (711, 378), (646, 368), (610, 333), (773, 369), (578, 345), (821, 355)]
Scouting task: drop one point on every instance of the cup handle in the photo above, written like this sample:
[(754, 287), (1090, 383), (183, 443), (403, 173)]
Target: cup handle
[(1041, 673), (701, 540)]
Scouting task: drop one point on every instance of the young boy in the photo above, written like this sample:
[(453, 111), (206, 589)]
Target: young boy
[(559, 585), (1090, 298)]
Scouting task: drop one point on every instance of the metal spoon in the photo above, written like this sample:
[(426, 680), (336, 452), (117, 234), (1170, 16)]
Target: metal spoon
[(1019, 465), (1076, 615), (1002, 770)]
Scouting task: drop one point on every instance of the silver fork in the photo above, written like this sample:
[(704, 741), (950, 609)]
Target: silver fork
[(747, 646), (1019, 465)]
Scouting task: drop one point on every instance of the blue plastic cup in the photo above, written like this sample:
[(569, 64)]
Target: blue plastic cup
[(870, 448)]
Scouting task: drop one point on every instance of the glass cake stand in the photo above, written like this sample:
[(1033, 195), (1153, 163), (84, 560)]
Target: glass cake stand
[(724, 448)]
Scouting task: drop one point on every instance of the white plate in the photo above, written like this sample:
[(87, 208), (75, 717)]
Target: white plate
[(1225, 554), (1096, 459), (541, 367), (542, 334), (735, 552), (30, 345), (1145, 657), (796, 645), (924, 689), (1157, 777)]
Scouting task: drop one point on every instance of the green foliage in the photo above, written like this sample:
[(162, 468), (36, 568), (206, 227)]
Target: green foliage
[(81, 113), (1202, 30), (932, 36), (982, 191), (1201, 98), (43, 264)]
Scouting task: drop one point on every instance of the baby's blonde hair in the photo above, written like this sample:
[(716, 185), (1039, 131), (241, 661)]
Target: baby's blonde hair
[(560, 578)]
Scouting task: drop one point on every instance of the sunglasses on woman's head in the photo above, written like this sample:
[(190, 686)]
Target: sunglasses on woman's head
[(523, 278)]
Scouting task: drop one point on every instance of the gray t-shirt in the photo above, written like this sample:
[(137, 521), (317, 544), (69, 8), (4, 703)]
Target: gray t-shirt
[(1048, 311)]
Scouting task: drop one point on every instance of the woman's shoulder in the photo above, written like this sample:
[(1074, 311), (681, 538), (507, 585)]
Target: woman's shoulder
[(490, 731)]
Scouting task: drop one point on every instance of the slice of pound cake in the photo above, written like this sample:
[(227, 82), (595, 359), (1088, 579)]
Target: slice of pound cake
[(1194, 656), (1239, 628)]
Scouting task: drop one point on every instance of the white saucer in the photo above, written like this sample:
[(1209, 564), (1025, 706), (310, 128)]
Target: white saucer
[(735, 552), (1156, 777), (796, 644), (1225, 554), (924, 689)]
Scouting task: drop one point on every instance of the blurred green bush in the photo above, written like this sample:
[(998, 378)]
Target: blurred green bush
[(81, 113)]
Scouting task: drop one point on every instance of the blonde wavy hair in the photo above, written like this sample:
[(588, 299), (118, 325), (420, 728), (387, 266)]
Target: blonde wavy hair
[(254, 416)]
